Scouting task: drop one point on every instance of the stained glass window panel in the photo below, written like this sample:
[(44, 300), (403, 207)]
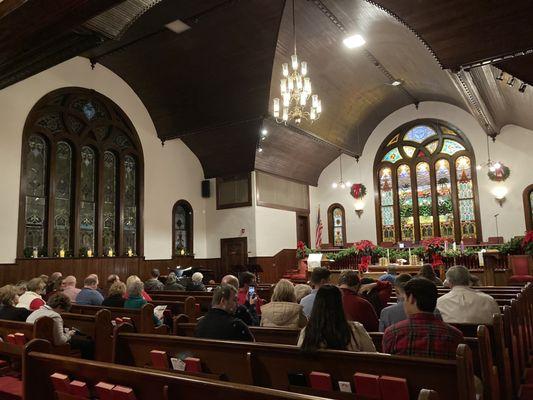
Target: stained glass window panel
[(409, 150), (451, 147), (385, 182), (180, 227), (432, 146), (419, 133), (63, 197), (468, 223), (130, 204), (405, 197), (110, 196), (393, 156), (444, 198), (387, 202), (464, 177), (394, 140), (88, 199), (531, 203), (338, 239), (36, 164), (447, 131), (425, 211)]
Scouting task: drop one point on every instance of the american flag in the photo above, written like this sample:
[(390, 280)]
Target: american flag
[(318, 241)]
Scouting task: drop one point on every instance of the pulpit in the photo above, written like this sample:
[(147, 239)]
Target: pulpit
[(491, 259), (299, 274)]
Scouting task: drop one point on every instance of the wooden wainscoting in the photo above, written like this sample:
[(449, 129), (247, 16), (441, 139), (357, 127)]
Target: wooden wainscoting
[(274, 267)]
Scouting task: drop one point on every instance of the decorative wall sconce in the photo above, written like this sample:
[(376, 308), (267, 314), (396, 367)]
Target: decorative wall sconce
[(359, 208), (499, 192)]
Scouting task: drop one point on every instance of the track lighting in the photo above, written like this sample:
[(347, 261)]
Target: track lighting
[(500, 77), (511, 81), (522, 87)]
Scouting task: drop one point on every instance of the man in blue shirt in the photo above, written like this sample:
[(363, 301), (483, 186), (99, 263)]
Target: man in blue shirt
[(89, 295), (395, 313), (319, 277)]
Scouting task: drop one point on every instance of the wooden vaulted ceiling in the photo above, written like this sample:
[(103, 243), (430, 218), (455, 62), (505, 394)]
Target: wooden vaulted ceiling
[(212, 85)]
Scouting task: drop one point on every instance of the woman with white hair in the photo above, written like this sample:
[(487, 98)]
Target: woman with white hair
[(195, 284), (135, 278), (134, 289)]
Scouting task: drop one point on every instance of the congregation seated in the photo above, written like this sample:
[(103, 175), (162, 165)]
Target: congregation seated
[(377, 293), (319, 277), (395, 312), (135, 300), (422, 334), (301, 290), (57, 304), (463, 304), (328, 328), (283, 311), (89, 295), (135, 278), (195, 284), (32, 299), (245, 312), (115, 295), (172, 283), (153, 283), (69, 288), (427, 271), (355, 307), (220, 322), (8, 301)]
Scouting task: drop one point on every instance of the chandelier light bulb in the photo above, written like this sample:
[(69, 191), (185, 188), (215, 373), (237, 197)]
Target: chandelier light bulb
[(304, 68), (285, 69), (478, 167), (294, 62), (314, 99), (312, 114), (264, 132), (283, 86), (286, 99), (307, 85), (354, 41), (290, 84), (497, 165), (260, 149), (276, 107), (343, 185), (285, 114), (334, 185), (319, 107), (492, 168), (299, 82), (303, 99), (348, 183)]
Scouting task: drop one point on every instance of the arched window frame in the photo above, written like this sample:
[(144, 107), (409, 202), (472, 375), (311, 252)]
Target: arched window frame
[(331, 224), (108, 129), (190, 227), (444, 130), (528, 191)]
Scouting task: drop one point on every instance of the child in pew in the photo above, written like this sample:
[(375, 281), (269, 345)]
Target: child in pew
[(57, 304), (134, 289), (328, 328)]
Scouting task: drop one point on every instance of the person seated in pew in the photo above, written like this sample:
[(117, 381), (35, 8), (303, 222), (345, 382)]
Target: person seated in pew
[(21, 286), (283, 311), (135, 278), (88, 295), (319, 277), (115, 295), (247, 280), (153, 283), (355, 307), (220, 322), (195, 284), (95, 276), (69, 288), (422, 334), (328, 328), (427, 271), (172, 283), (377, 293), (53, 284), (389, 276), (245, 312), (32, 299), (395, 313), (110, 280), (464, 305), (8, 301), (301, 290), (135, 300)]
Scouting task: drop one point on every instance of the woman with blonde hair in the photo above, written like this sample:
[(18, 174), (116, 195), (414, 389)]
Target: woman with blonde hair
[(32, 299), (283, 311), (301, 291), (8, 300), (135, 278), (115, 295)]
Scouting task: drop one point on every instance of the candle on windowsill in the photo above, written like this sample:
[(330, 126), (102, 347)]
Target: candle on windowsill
[(61, 253), (446, 245), (89, 253), (130, 252), (182, 252), (110, 253), (35, 253), (409, 254), (454, 246)]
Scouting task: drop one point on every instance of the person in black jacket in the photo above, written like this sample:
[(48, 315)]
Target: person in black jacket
[(8, 300), (115, 296), (195, 284), (219, 322), (245, 312)]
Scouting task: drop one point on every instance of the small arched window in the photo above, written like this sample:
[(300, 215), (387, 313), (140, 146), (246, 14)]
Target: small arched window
[(426, 185), (528, 207), (182, 228), (336, 225), (81, 177)]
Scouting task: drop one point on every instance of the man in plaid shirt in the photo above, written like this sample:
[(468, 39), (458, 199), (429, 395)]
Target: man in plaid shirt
[(422, 334)]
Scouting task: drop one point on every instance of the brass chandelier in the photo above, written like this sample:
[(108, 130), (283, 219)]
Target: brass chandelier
[(297, 101)]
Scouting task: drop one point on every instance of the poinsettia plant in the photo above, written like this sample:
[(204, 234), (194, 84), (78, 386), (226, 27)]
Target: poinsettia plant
[(527, 243), (358, 191), (365, 247), (434, 245), (301, 250)]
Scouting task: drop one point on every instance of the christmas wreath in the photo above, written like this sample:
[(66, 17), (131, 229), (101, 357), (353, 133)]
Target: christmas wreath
[(499, 174), (358, 191)]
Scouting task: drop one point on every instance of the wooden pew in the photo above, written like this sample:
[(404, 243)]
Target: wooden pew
[(185, 306), (147, 384), (98, 327), (204, 300), (269, 365), (141, 318)]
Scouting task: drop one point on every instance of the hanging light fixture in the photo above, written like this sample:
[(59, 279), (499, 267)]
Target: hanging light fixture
[(492, 165), (297, 101), (342, 184)]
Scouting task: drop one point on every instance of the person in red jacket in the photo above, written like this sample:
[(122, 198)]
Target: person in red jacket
[(356, 308), (376, 292)]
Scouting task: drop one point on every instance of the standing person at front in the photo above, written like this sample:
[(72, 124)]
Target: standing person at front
[(319, 277), (89, 295), (219, 322), (422, 334), (328, 328)]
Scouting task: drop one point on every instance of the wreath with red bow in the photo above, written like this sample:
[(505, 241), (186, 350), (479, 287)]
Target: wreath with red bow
[(358, 191)]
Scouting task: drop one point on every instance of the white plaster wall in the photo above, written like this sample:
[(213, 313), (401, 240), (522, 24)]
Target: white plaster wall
[(275, 230), (513, 147), (171, 172)]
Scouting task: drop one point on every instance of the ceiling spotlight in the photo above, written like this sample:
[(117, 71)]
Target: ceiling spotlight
[(259, 149), (396, 83), (263, 138), (500, 77), (264, 132), (354, 41), (522, 87), (511, 81)]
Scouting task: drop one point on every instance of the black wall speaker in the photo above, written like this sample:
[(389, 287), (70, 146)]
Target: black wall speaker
[(206, 189)]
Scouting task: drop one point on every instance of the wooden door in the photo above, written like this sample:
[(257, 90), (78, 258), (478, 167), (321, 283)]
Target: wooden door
[(233, 254), (302, 229)]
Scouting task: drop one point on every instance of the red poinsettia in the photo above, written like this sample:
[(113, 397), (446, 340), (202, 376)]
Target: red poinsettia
[(365, 247), (527, 243), (301, 250), (434, 245)]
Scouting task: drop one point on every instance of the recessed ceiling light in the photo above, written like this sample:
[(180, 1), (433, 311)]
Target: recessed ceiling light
[(264, 132), (396, 83), (354, 41), (178, 26), (260, 149)]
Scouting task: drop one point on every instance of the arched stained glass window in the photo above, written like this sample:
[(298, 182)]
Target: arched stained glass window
[(182, 231), (427, 166), (528, 207), (82, 172), (336, 225)]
